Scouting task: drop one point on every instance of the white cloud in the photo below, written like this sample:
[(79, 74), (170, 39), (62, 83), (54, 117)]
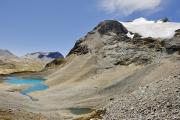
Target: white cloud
[(128, 7)]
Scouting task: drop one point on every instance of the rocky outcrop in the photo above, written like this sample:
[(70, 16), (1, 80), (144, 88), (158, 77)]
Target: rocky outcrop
[(55, 63), (177, 33), (173, 45), (79, 49)]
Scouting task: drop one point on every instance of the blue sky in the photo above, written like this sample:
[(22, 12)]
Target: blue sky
[(54, 25)]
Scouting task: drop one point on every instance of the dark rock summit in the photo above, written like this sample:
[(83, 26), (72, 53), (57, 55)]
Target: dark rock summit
[(111, 26)]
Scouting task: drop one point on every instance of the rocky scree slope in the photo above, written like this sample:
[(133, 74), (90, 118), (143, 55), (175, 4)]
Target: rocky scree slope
[(157, 100)]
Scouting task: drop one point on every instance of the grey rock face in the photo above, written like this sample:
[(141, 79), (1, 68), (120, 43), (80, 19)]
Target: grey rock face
[(79, 49), (173, 45), (172, 48)]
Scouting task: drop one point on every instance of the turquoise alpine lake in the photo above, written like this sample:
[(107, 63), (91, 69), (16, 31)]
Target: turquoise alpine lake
[(34, 84)]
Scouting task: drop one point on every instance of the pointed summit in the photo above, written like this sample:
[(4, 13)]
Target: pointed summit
[(111, 26)]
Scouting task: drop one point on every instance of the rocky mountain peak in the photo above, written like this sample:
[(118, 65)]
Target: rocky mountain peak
[(94, 39), (6, 54), (111, 26), (110, 41)]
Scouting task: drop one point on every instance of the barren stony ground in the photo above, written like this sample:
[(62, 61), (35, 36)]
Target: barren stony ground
[(158, 100)]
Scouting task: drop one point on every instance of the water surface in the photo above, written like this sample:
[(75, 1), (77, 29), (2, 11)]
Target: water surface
[(80, 111), (34, 84)]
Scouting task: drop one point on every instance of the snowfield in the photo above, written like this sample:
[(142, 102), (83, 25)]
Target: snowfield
[(151, 28)]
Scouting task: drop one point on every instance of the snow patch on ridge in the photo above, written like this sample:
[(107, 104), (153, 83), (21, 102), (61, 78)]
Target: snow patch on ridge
[(151, 28), (130, 35)]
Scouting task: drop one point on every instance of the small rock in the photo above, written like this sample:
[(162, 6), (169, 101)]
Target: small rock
[(111, 99)]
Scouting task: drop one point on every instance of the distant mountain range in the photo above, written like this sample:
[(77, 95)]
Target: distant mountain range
[(6, 54), (10, 63), (44, 56)]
